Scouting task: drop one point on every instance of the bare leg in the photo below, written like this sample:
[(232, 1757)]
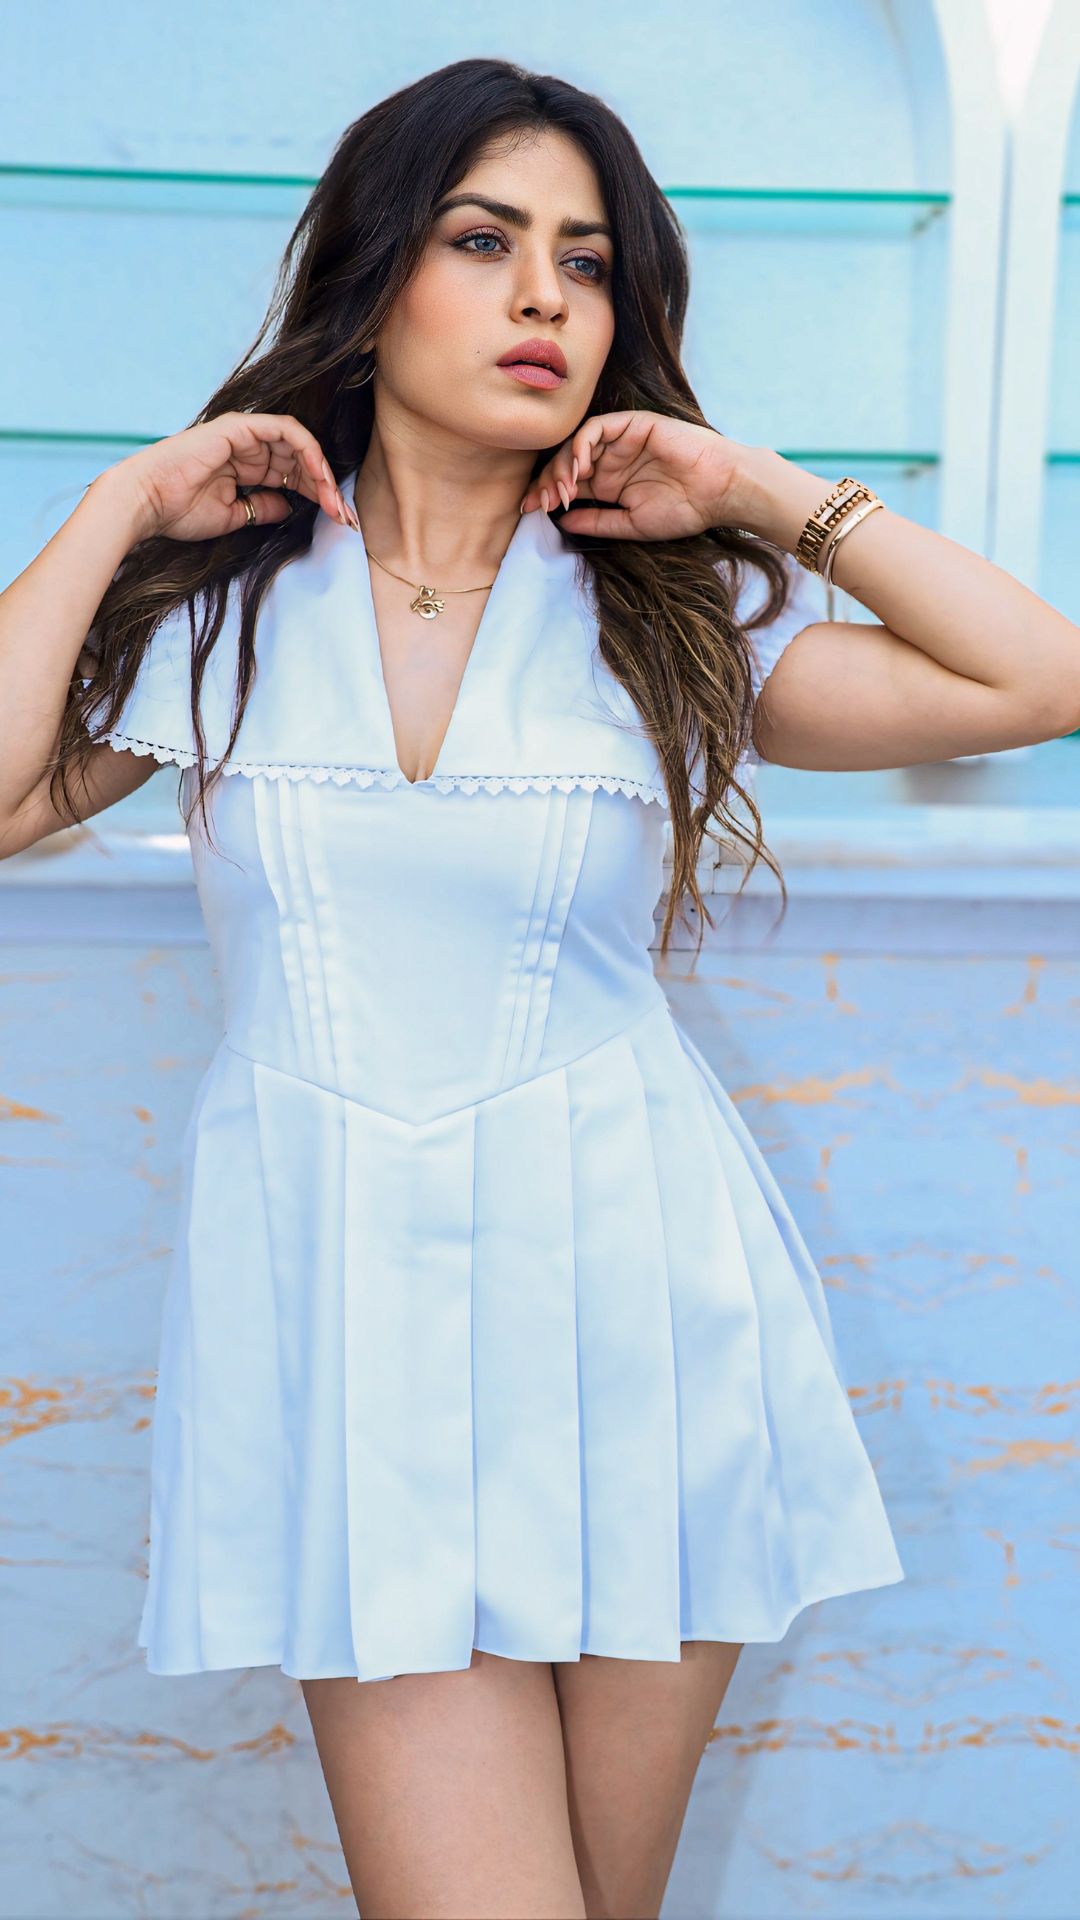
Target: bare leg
[(634, 1733), (449, 1792)]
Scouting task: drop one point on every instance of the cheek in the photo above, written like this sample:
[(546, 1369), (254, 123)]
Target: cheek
[(416, 317), (600, 335), (606, 331), (434, 317)]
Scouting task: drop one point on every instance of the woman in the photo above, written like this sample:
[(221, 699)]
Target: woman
[(495, 1373)]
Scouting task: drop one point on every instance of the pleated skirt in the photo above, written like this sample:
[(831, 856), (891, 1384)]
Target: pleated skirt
[(551, 1374)]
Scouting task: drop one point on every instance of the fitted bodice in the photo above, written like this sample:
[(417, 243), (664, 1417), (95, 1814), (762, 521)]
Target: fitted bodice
[(418, 950)]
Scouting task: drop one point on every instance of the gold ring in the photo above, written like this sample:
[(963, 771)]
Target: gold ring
[(249, 509)]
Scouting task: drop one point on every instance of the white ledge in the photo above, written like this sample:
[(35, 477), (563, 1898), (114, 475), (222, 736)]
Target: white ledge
[(928, 849), (919, 836), (101, 857)]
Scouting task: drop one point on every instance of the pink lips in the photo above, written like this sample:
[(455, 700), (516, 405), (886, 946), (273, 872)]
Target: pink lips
[(532, 375), (536, 362)]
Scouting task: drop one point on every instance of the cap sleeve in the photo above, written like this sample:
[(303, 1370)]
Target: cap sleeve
[(806, 605), (156, 717)]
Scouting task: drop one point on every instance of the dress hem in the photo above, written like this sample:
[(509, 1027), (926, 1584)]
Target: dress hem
[(866, 1585)]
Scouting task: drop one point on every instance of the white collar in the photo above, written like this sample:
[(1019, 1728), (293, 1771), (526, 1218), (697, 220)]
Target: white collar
[(537, 707)]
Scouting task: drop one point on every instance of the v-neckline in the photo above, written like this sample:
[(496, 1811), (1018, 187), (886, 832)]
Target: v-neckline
[(474, 661)]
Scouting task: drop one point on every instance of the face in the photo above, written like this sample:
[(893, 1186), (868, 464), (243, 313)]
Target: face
[(491, 280)]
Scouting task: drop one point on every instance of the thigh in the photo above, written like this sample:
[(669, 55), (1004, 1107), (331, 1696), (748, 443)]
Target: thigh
[(634, 1732), (449, 1791)]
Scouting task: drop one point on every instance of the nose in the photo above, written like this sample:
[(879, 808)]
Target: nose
[(540, 291)]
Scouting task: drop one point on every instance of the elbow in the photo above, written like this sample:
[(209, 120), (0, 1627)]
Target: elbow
[(1050, 715)]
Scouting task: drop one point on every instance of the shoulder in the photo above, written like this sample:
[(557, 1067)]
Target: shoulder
[(805, 605), (156, 716)]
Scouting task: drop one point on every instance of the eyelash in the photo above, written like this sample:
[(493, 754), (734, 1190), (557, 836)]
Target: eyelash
[(595, 280)]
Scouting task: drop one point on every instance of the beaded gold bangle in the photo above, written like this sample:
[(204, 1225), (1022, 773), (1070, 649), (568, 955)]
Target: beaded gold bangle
[(821, 528)]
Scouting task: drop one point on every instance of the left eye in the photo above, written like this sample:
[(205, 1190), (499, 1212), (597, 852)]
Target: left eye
[(485, 233)]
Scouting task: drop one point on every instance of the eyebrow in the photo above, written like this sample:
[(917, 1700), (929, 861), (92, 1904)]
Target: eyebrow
[(520, 217)]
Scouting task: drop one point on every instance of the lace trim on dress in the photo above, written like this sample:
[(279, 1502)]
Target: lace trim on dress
[(543, 783), (393, 777)]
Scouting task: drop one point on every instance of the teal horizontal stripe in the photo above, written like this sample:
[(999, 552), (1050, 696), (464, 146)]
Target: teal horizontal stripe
[(866, 455), (14, 170), (869, 456), (190, 176), (884, 196), (42, 437)]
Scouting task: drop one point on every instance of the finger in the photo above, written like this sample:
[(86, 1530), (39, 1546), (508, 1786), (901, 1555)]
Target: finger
[(269, 508), (264, 444), (305, 471), (324, 490), (588, 453), (592, 440), (321, 487), (535, 492), (549, 488), (566, 473), (548, 493), (601, 521), (585, 448), (279, 437)]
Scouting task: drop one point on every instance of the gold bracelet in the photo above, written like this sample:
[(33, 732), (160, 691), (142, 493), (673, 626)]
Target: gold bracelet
[(845, 499), (852, 520)]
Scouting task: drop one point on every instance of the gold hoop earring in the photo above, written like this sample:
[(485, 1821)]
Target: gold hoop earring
[(364, 378)]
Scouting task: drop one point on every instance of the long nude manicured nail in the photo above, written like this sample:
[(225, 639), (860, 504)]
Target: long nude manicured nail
[(574, 471), (544, 500), (564, 492)]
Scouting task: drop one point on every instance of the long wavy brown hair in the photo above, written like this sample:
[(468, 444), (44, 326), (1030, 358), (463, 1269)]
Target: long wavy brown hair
[(665, 609)]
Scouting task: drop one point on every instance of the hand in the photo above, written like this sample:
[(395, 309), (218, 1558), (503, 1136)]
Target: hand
[(186, 485), (668, 478)]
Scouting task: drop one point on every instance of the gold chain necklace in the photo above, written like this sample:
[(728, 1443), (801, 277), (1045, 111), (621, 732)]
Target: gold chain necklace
[(427, 603)]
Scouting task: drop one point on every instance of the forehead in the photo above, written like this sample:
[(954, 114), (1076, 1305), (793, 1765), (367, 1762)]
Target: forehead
[(545, 174)]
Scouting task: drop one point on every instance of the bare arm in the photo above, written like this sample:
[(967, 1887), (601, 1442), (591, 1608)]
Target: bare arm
[(967, 660), (45, 615)]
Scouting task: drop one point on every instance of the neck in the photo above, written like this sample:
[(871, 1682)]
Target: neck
[(427, 525)]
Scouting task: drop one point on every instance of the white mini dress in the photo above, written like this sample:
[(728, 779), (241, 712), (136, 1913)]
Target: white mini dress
[(487, 1324)]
